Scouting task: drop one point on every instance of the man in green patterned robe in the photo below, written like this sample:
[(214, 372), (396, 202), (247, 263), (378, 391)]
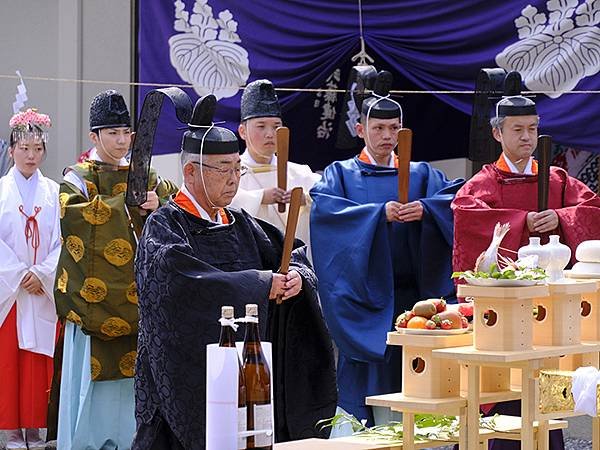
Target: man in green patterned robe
[(95, 287)]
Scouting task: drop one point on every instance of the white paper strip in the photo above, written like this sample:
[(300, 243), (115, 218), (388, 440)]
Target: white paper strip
[(21, 95), (221, 398)]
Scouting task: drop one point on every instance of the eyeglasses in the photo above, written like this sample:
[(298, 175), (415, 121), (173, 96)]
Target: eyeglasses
[(237, 171)]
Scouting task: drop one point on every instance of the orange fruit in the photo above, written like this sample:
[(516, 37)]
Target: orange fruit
[(417, 322)]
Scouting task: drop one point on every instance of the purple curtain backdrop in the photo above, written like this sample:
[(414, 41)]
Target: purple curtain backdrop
[(427, 44)]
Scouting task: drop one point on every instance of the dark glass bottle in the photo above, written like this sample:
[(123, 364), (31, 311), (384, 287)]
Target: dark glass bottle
[(227, 339), (258, 384)]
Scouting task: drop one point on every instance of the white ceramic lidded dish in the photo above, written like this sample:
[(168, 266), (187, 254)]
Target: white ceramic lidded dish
[(588, 252)]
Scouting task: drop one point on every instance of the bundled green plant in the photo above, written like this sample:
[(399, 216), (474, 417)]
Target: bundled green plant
[(514, 272), (428, 427)]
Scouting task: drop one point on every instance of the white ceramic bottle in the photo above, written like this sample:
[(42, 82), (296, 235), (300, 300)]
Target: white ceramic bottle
[(535, 248), (560, 255)]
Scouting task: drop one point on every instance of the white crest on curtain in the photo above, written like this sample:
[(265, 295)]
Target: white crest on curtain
[(205, 52), (555, 50)]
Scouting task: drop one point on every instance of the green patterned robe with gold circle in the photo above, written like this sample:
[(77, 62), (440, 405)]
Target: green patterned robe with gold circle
[(95, 287)]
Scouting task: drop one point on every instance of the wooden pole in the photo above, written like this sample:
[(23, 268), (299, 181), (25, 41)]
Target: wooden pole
[(283, 147), (544, 149), (404, 154), (290, 231)]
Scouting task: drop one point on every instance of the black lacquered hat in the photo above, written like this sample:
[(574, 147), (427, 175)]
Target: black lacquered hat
[(203, 137), (109, 110), (259, 100)]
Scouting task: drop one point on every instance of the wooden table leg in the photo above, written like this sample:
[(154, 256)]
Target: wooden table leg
[(527, 407), (473, 407), (543, 435), (462, 429), (408, 431)]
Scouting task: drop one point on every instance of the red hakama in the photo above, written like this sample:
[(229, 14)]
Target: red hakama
[(25, 379)]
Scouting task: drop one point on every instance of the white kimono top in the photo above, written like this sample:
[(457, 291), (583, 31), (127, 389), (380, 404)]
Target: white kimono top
[(263, 176), (21, 198)]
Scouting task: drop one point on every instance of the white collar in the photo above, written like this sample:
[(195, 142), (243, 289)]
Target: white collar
[(20, 178), (375, 163), (249, 160), (528, 168), (94, 156), (203, 213)]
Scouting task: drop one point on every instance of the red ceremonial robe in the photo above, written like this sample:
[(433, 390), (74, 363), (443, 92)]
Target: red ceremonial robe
[(494, 195)]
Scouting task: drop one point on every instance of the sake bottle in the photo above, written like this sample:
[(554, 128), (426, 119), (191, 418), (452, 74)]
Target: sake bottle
[(227, 339), (258, 383)]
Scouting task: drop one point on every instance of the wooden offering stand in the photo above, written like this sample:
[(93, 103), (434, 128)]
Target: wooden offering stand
[(504, 339), (429, 385), (560, 319), (455, 374)]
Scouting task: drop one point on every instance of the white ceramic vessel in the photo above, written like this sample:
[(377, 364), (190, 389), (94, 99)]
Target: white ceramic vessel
[(560, 255), (535, 248), (588, 251)]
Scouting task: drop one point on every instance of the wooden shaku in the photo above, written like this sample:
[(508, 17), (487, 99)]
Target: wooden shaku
[(283, 151)]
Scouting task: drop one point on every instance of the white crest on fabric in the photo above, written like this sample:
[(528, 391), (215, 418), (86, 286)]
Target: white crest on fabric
[(20, 96), (205, 52), (557, 50)]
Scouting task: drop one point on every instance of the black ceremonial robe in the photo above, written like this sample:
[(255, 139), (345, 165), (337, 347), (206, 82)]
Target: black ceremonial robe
[(186, 269)]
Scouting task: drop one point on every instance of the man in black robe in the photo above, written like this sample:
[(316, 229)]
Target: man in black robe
[(196, 255)]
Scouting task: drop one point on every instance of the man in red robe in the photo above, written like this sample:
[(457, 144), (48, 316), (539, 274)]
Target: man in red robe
[(506, 192)]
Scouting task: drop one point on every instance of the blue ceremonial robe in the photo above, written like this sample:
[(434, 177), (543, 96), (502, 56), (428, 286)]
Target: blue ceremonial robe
[(370, 270)]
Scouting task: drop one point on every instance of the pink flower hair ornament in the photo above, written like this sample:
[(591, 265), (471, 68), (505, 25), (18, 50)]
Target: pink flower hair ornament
[(23, 120), (29, 124)]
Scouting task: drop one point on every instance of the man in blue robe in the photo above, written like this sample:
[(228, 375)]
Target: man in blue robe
[(375, 257)]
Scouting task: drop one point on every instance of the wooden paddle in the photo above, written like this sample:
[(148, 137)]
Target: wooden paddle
[(404, 153), (283, 152), (544, 148), (290, 232)]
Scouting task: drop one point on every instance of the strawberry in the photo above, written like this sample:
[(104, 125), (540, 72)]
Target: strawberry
[(465, 322), (440, 304), (430, 325), (446, 324)]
